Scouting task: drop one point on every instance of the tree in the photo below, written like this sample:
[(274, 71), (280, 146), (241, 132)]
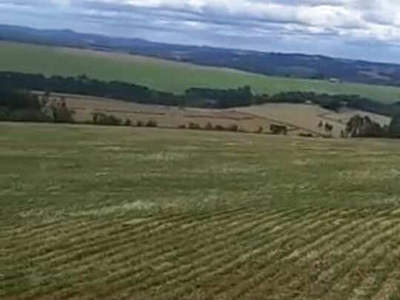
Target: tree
[(364, 127), (104, 119), (328, 127), (208, 126), (233, 127), (194, 126), (354, 126), (151, 123), (60, 111), (278, 129)]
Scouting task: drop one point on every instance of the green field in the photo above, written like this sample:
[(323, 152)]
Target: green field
[(121, 213), (165, 75)]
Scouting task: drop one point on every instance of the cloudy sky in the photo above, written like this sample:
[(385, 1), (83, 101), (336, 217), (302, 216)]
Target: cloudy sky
[(365, 29)]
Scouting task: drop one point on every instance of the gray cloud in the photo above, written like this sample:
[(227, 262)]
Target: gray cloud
[(286, 25)]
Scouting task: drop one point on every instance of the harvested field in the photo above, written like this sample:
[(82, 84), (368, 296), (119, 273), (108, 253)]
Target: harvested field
[(167, 117), (299, 118), (308, 116), (121, 213)]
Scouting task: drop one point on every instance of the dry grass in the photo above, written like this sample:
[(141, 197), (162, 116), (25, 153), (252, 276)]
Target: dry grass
[(168, 117), (308, 117), (299, 118)]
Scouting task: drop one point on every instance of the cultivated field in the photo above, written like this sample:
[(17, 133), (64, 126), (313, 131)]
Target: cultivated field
[(121, 213), (165, 75)]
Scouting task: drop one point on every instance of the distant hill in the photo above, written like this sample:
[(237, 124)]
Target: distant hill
[(166, 75), (273, 64)]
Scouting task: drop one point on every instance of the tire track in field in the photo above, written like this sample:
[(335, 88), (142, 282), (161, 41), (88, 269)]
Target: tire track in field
[(350, 232), (86, 253), (348, 247), (250, 250), (390, 288), (190, 260), (369, 254), (79, 246), (81, 241), (330, 275), (153, 256), (371, 284), (289, 253), (80, 264), (256, 280)]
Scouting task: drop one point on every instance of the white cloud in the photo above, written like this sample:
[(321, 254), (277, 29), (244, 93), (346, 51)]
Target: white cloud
[(376, 19), (372, 21)]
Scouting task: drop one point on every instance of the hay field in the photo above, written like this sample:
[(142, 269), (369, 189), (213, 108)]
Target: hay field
[(299, 118), (165, 75), (308, 116), (167, 117), (120, 213)]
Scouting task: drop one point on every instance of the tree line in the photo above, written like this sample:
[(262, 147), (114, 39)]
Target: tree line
[(365, 127), (193, 97), (17, 104), (26, 107)]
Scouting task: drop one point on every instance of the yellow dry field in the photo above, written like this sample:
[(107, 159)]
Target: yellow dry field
[(168, 117), (299, 118), (308, 116)]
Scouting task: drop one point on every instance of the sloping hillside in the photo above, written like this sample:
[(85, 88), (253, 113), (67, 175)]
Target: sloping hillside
[(165, 75)]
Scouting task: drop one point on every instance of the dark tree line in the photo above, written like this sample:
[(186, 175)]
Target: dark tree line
[(20, 106), (365, 127), (332, 102), (193, 97), (82, 85), (218, 98), (25, 107)]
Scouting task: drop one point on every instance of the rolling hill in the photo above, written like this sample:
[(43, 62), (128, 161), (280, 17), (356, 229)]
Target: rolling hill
[(165, 75), (272, 64)]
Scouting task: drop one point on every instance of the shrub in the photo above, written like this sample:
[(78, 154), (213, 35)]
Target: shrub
[(278, 129), (151, 123), (60, 111), (306, 135), (139, 124), (208, 126), (182, 126), (328, 127), (128, 122), (194, 126), (233, 127), (104, 119)]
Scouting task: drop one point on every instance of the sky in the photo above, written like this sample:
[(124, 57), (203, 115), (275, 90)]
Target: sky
[(357, 29)]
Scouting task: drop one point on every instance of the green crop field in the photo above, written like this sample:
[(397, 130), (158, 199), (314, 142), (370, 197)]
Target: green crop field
[(165, 75), (123, 213)]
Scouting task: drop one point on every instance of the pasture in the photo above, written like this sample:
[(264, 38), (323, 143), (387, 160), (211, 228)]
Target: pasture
[(165, 75), (121, 213)]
